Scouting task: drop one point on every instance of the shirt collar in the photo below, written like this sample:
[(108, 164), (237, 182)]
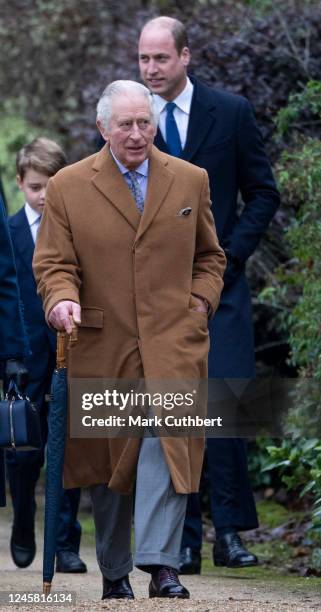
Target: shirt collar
[(31, 214), (183, 101), (142, 169)]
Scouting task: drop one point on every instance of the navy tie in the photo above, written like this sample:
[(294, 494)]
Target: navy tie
[(173, 140)]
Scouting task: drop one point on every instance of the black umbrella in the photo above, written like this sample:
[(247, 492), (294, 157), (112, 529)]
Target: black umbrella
[(57, 428)]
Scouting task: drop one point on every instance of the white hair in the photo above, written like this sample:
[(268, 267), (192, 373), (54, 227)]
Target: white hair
[(118, 88)]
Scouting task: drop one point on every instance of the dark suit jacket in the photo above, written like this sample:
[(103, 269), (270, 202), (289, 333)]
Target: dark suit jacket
[(223, 138), (13, 339), (42, 339)]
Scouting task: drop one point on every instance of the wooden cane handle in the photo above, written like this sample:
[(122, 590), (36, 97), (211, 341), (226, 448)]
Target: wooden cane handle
[(73, 336), (64, 342), (61, 350)]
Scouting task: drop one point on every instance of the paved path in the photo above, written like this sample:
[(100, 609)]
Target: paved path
[(227, 591)]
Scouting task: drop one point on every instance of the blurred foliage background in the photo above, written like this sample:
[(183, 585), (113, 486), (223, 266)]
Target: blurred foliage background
[(56, 58)]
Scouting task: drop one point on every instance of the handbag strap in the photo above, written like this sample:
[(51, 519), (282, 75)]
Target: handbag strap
[(13, 392)]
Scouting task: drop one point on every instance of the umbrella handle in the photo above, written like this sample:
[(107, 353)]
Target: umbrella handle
[(62, 345)]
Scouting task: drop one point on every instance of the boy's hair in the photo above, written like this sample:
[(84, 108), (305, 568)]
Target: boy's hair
[(42, 155)]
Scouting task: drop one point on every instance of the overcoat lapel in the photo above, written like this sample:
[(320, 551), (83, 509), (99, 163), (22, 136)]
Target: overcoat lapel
[(201, 121), (110, 182), (113, 186), (23, 238)]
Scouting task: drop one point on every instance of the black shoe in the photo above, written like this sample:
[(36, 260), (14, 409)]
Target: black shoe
[(165, 583), (69, 562), (190, 561), (229, 551), (22, 547), (117, 589)]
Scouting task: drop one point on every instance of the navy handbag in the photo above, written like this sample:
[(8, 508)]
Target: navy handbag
[(19, 421)]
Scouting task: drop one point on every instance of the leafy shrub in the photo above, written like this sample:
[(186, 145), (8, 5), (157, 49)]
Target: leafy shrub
[(297, 291), (297, 283), (258, 457)]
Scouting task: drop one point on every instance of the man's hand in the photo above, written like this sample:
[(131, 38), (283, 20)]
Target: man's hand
[(64, 315), (202, 305)]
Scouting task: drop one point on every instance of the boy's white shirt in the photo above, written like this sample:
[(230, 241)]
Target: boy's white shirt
[(33, 220)]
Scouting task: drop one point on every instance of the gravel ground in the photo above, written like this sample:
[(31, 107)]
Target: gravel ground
[(229, 591)]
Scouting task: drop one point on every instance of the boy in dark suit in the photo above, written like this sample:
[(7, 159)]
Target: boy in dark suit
[(36, 163)]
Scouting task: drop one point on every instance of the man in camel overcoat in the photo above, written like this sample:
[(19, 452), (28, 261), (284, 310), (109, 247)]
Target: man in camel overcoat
[(127, 248)]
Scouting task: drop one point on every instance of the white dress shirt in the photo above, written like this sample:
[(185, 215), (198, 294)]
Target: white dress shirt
[(181, 112), (33, 219)]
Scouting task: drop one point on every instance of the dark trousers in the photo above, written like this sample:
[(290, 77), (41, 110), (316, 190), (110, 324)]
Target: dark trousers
[(23, 470), (231, 497), (231, 356)]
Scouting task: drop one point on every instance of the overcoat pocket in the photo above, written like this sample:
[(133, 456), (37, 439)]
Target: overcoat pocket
[(92, 317)]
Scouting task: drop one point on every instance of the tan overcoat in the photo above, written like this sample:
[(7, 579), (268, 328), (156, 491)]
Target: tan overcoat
[(134, 277)]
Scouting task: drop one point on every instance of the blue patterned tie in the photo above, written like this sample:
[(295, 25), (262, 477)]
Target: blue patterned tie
[(173, 140), (136, 190)]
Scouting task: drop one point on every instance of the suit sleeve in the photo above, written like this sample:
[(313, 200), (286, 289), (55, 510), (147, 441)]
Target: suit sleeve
[(256, 184), (55, 263), (209, 261)]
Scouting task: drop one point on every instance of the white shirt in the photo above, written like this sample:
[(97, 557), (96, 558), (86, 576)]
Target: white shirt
[(181, 112), (142, 172), (33, 220)]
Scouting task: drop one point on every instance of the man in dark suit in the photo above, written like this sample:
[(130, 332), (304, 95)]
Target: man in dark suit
[(36, 162), (216, 131), (14, 344)]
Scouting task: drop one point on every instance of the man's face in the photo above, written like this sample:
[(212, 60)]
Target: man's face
[(131, 130), (162, 69), (34, 185)]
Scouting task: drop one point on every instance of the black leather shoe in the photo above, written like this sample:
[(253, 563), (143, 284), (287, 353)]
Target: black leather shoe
[(22, 547), (117, 589), (165, 583), (229, 551), (190, 561), (69, 562)]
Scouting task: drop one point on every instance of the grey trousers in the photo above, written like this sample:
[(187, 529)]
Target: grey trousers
[(158, 518)]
